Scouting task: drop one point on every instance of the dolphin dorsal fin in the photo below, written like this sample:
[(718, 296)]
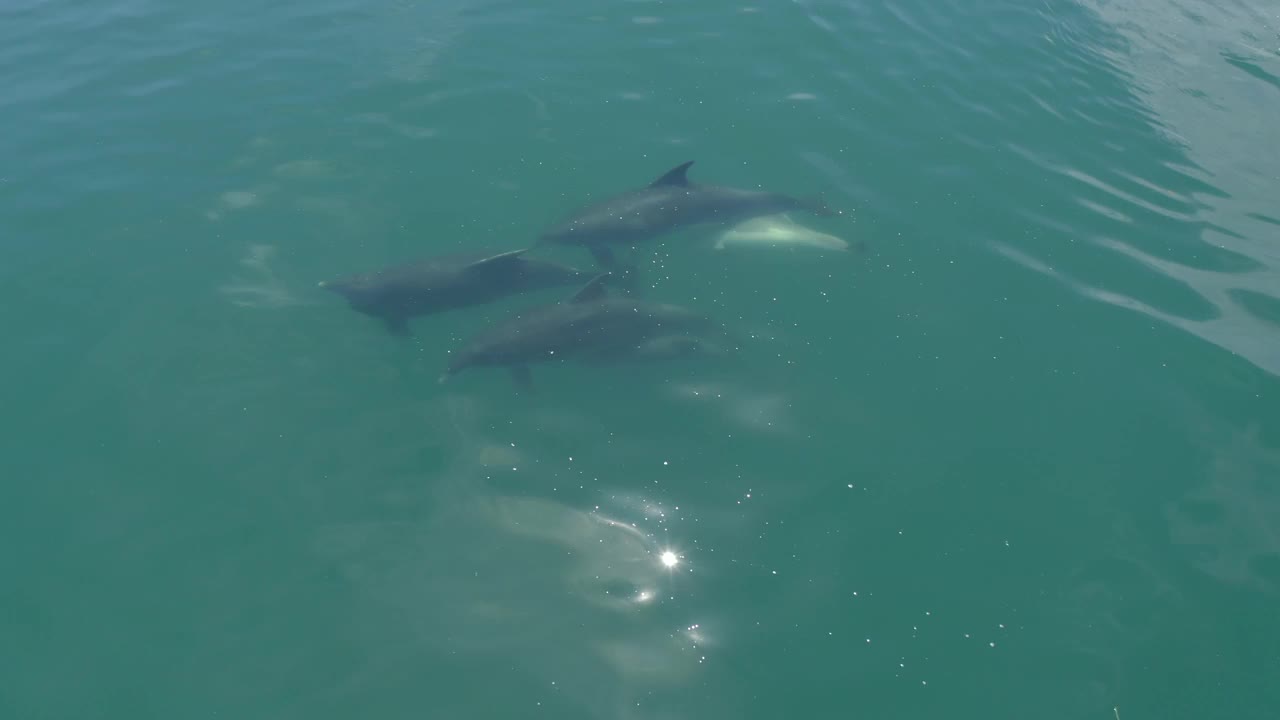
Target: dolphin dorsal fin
[(674, 176), (497, 260), (593, 290)]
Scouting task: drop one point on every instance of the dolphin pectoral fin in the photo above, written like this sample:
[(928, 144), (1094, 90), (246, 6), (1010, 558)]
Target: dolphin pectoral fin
[(593, 290), (675, 176), (397, 325), (523, 378)]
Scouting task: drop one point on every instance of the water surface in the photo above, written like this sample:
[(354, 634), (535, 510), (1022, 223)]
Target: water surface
[(1019, 460)]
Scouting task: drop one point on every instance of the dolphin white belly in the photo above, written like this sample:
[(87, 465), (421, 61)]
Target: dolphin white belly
[(778, 231)]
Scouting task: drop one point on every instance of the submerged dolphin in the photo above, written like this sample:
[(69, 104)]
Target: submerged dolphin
[(778, 231), (669, 203), (448, 282), (593, 326)]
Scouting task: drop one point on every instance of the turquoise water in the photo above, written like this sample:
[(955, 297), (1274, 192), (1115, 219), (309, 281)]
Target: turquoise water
[(1021, 459)]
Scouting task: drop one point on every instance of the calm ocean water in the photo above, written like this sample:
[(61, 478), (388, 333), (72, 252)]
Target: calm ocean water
[(1021, 459)]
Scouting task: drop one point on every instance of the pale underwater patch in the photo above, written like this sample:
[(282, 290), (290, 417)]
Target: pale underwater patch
[(264, 289), (747, 408), (572, 596), (778, 231), (234, 200)]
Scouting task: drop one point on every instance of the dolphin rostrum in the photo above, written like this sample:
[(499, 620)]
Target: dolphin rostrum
[(593, 327), (669, 203), (448, 282)]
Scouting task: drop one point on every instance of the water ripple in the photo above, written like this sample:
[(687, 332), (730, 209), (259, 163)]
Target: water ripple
[(1147, 170)]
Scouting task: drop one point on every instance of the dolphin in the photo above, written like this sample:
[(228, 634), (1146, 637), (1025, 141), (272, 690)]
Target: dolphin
[(669, 203), (592, 326), (778, 231), (449, 282)]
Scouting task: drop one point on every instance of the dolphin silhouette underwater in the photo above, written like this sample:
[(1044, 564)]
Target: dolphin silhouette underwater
[(448, 282), (593, 327), (669, 203)]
